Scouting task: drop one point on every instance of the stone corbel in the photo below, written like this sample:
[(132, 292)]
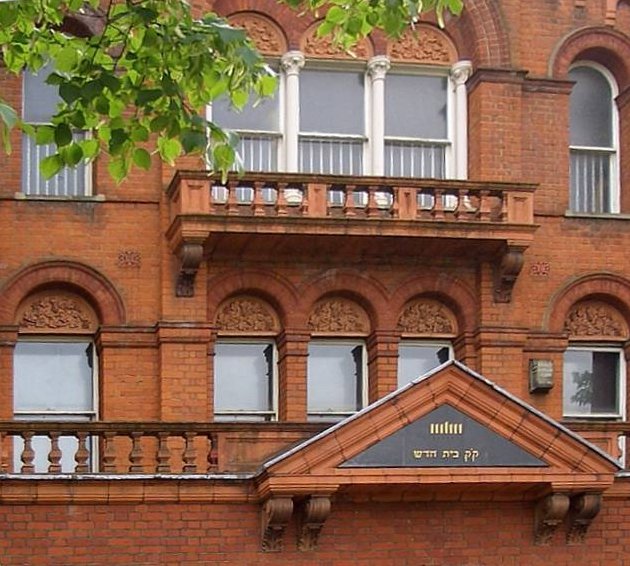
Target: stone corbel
[(275, 515), (584, 508), (549, 515), (190, 256), (314, 512), (506, 270)]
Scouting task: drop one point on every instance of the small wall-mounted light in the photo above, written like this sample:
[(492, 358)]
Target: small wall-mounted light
[(540, 376)]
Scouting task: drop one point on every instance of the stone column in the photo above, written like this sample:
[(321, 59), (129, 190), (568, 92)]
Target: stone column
[(460, 73), (291, 64), (377, 69)]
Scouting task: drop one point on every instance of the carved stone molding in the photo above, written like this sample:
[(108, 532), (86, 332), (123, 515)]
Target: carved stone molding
[(246, 314), (292, 62), (549, 515), (378, 66), (314, 512), (314, 46), (265, 34), (595, 320), (129, 258), (338, 315), (426, 317), (58, 312), (190, 256), (584, 508), (275, 515), (424, 44), (506, 271)]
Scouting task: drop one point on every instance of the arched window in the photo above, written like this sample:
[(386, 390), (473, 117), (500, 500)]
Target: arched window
[(593, 140), (55, 369)]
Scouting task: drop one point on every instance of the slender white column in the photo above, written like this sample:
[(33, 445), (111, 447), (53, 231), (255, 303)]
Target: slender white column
[(377, 69), (460, 72), (291, 64)]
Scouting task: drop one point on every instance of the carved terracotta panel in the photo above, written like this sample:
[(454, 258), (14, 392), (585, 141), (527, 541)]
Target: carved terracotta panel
[(424, 44), (595, 320), (426, 317), (266, 35), (313, 46), (338, 316), (58, 312), (247, 315)]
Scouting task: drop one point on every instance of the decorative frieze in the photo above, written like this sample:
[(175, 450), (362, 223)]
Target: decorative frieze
[(423, 44), (129, 258), (58, 312), (595, 320), (247, 315), (266, 35), (313, 45), (426, 317), (338, 315)]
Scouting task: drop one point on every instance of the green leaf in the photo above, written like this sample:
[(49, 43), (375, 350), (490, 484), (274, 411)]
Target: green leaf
[(139, 134), (69, 92), (67, 59), (51, 165), (8, 115), (118, 168), (63, 134), (44, 135), (169, 149), (148, 95), (71, 154), (90, 148), (336, 15), (239, 98), (142, 158)]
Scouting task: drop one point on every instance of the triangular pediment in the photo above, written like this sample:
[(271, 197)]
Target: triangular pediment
[(503, 442)]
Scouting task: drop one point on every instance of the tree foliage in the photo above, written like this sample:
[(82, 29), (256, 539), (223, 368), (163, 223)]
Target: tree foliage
[(140, 80)]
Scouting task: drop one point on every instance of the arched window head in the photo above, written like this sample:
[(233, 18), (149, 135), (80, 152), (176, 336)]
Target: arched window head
[(593, 140)]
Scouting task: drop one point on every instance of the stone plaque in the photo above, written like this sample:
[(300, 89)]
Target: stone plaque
[(445, 437)]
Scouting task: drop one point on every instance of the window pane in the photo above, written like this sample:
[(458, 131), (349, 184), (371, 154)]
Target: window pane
[(53, 376), (591, 383), (590, 181), (243, 377), (335, 377), (262, 116), (331, 102), (415, 360), (40, 99), (591, 108), (415, 106)]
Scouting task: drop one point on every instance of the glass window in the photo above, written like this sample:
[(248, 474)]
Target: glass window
[(332, 122), (335, 379), (40, 103), (593, 132), (593, 382), (244, 381), (417, 358), (53, 381)]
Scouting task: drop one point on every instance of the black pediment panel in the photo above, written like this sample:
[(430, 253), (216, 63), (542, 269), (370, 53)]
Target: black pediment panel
[(445, 437)]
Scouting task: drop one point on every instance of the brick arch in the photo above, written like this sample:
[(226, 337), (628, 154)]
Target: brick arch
[(452, 292), (370, 294), (606, 46), (266, 285), (78, 278), (607, 287), (271, 32)]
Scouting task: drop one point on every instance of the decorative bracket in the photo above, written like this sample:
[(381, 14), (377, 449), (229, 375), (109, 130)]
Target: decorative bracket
[(190, 256), (550, 514), (506, 271), (314, 513), (584, 508), (275, 515)]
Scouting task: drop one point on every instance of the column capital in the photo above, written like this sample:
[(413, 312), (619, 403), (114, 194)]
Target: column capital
[(292, 62), (378, 66), (461, 71)]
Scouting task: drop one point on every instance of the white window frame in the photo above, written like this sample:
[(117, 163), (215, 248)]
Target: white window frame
[(58, 416), (411, 342), (622, 377), (614, 198), (270, 415), (332, 416), (27, 184)]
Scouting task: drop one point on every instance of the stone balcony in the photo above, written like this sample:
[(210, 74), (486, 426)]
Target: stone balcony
[(278, 213)]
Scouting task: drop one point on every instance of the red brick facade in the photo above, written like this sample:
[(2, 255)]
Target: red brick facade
[(154, 261)]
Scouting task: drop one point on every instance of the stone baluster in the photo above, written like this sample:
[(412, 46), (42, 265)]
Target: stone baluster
[(232, 202), (54, 455), (212, 453), (163, 455), (4, 461), (372, 206), (189, 456), (484, 205), (28, 454), (82, 455), (281, 201), (135, 455), (438, 204), (258, 204), (109, 453), (349, 205)]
